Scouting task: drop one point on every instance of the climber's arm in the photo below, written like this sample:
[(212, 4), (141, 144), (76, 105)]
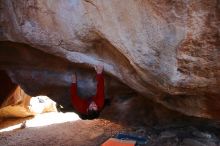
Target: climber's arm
[(79, 104), (100, 95)]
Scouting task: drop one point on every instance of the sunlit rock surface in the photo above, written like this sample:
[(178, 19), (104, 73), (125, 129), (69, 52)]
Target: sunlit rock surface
[(14, 101), (42, 104), (19, 104), (167, 51)]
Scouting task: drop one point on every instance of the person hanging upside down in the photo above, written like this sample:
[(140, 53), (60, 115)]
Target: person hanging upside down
[(89, 108)]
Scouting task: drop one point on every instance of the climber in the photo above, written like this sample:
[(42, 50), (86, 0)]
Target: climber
[(89, 108)]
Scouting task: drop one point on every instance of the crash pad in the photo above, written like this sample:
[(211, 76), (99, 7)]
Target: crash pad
[(118, 142), (138, 139)]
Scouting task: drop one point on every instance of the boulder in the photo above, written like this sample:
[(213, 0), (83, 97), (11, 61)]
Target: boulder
[(16, 105), (42, 104)]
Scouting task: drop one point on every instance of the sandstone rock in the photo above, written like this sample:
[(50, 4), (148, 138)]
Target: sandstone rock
[(167, 51), (16, 105), (14, 101), (14, 111), (42, 104)]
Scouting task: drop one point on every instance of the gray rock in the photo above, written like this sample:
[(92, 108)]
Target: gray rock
[(192, 142), (202, 134), (167, 134), (209, 143)]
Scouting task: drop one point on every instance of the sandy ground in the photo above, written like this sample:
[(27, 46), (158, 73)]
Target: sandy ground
[(160, 126), (73, 132), (66, 129)]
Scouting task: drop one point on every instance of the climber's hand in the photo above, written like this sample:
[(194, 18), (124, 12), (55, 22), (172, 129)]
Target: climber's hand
[(74, 78), (99, 68)]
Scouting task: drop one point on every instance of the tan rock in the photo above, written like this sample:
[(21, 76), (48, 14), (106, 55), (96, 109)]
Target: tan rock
[(16, 105)]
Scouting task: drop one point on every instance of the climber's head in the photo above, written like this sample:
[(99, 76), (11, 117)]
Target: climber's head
[(93, 110)]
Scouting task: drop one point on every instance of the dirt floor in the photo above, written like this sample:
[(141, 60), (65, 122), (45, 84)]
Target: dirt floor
[(71, 133), (66, 129), (133, 116)]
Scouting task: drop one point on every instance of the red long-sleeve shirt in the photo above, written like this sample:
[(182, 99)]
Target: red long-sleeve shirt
[(81, 105)]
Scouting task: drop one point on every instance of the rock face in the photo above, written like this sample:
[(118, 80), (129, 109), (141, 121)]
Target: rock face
[(167, 51), (16, 103), (7, 87)]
